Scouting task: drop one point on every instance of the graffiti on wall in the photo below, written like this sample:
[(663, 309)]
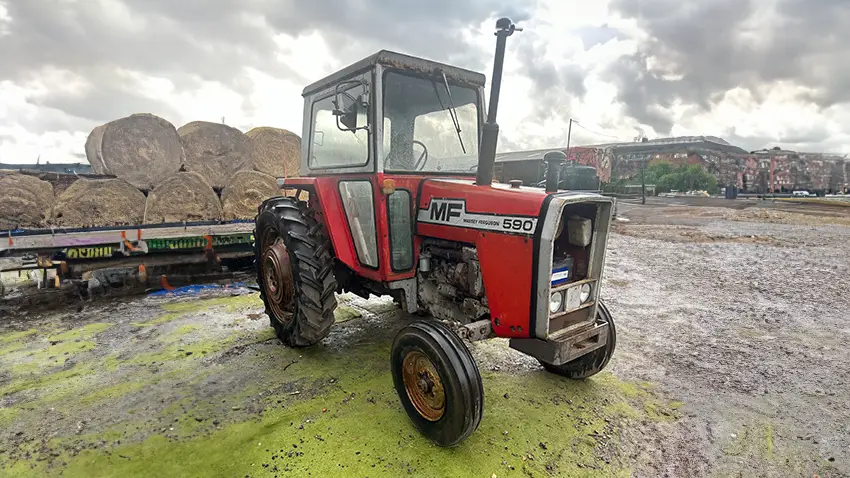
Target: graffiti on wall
[(199, 242), (88, 252), (765, 172), (599, 158)]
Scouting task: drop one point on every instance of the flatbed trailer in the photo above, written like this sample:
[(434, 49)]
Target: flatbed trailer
[(74, 252)]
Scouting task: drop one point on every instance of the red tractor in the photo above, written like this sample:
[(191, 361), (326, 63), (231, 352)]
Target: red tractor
[(398, 200)]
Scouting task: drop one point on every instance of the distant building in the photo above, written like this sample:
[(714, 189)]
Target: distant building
[(764, 171)]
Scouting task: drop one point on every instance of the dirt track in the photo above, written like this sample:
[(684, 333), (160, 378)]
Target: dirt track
[(731, 361)]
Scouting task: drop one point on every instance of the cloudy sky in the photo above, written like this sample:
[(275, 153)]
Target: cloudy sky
[(758, 73)]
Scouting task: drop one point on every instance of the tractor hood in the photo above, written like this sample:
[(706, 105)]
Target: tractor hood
[(517, 234), (499, 208)]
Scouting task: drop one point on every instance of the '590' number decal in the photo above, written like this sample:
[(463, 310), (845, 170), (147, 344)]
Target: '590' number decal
[(526, 225)]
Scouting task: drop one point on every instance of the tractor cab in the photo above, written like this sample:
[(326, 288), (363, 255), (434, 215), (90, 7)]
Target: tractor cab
[(398, 199), (393, 113)]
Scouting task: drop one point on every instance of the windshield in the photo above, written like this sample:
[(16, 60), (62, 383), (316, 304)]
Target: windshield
[(419, 131)]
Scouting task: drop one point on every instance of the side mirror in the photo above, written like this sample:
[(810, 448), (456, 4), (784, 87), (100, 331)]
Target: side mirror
[(351, 110)]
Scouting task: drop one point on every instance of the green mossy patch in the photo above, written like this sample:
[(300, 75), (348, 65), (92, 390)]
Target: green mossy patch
[(193, 351), (546, 426), (346, 420), (7, 415), (28, 366), (112, 393), (36, 382), (184, 308), (16, 336), (204, 399)]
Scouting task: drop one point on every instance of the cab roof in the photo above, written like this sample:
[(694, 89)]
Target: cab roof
[(400, 61)]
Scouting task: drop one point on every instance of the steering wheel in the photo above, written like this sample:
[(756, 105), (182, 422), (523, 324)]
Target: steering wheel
[(423, 158)]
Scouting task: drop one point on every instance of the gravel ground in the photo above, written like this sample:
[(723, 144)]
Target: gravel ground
[(747, 323), (731, 361)]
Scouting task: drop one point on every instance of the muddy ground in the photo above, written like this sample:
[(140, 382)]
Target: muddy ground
[(731, 361)]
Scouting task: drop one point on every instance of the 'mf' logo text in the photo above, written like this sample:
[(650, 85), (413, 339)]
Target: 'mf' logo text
[(444, 211)]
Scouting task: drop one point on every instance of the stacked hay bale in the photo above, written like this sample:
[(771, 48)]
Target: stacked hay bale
[(25, 202), (185, 196), (244, 193), (94, 150), (277, 152), (181, 169), (215, 151), (141, 149), (99, 202)]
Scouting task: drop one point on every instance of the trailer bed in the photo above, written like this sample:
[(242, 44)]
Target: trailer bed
[(49, 248)]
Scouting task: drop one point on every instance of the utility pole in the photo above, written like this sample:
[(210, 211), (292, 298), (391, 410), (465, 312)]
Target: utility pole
[(642, 183), (569, 133)]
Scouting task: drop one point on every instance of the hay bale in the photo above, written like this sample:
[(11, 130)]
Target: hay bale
[(245, 191), (184, 196), (215, 151), (25, 201), (142, 149), (99, 202), (277, 152), (94, 151)]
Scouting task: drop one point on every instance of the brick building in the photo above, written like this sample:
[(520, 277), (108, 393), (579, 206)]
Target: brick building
[(770, 170)]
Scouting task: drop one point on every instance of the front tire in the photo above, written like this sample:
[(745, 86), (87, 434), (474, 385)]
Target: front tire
[(438, 382), (590, 364), (295, 272)]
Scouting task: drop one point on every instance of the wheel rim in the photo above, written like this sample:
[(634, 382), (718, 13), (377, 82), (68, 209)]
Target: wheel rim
[(423, 385), (277, 280)]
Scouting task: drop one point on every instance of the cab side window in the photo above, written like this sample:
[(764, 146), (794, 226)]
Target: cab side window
[(331, 147)]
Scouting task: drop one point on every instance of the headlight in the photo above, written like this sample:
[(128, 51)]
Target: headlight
[(556, 300), (584, 293)]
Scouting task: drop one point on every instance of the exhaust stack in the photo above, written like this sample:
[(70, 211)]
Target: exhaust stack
[(490, 132), (553, 160)]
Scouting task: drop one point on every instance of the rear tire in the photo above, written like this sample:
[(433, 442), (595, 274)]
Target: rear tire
[(590, 364), (295, 271), (438, 382)]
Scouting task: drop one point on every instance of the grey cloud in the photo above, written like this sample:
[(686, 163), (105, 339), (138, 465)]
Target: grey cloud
[(188, 41), (596, 35), (109, 100), (813, 134), (643, 93), (555, 82), (429, 29), (812, 139), (80, 36), (701, 42)]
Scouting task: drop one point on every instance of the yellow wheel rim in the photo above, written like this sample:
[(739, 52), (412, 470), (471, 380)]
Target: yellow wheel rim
[(423, 385)]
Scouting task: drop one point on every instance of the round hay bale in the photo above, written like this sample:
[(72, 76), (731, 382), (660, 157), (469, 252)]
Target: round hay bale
[(99, 202), (25, 201), (142, 149), (184, 196), (94, 151), (244, 193), (215, 151), (277, 152)]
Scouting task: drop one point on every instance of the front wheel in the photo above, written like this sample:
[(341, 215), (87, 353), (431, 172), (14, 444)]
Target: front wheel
[(592, 363), (438, 382)]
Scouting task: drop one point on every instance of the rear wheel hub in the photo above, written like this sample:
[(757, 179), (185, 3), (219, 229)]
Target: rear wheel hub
[(277, 279)]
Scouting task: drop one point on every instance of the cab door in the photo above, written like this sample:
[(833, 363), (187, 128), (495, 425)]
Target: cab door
[(396, 210)]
